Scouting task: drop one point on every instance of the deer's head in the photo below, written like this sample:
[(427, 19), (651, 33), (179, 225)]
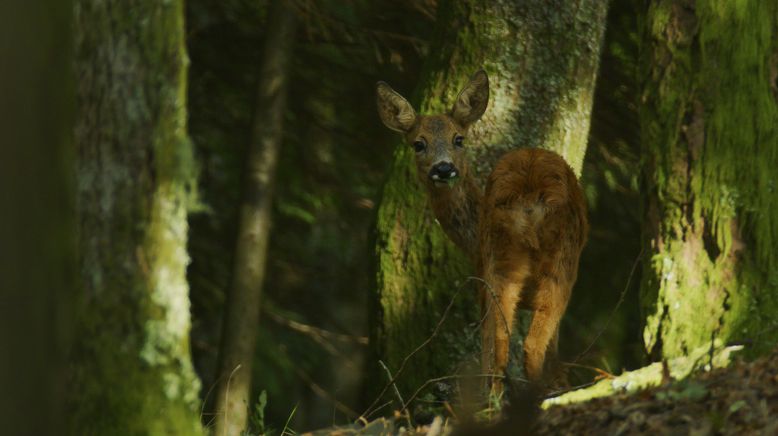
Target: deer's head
[(438, 140)]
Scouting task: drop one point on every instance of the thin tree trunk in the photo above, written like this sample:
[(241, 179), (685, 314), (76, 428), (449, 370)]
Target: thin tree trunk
[(242, 312), (131, 368), (542, 60), (709, 126), (37, 246)]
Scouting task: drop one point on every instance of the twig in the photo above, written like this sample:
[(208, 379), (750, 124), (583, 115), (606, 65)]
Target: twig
[(601, 372), (315, 332), (446, 377), (394, 385), (363, 418), (205, 401), (615, 309), (563, 391), (227, 396), (321, 392), (502, 314), (408, 357)]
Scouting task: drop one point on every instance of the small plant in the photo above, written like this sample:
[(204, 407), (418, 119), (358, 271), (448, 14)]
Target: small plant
[(257, 418), (684, 390)]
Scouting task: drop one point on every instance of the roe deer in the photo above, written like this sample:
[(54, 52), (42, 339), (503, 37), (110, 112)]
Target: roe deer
[(525, 232)]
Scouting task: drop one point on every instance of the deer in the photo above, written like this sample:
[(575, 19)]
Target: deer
[(524, 231)]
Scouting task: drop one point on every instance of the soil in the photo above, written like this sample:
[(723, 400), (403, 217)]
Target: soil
[(741, 399)]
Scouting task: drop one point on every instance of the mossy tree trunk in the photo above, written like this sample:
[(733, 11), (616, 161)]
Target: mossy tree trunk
[(542, 60), (37, 246), (709, 126), (131, 369), (241, 319)]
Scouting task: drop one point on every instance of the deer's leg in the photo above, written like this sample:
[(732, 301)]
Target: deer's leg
[(552, 352), (504, 319), (544, 328), (555, 371), (501, 298)]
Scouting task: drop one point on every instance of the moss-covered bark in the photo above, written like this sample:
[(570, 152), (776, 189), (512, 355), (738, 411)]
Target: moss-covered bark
[(542, 59), (709, 127), (241, 320), (131, 369)]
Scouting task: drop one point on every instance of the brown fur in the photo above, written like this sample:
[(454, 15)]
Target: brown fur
[(532, 229), (525, 233), (456, 207)]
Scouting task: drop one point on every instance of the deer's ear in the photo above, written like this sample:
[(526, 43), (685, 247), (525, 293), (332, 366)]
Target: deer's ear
[(471, 103), (395, 111)]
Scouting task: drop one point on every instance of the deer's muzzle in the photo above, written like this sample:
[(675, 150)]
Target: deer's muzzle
[(443, 172)]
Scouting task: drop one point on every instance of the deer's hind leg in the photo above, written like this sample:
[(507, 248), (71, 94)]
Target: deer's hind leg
[(501, 298), (541, 340)]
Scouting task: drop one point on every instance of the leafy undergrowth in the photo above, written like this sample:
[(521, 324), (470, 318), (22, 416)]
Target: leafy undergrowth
[(740, 399)]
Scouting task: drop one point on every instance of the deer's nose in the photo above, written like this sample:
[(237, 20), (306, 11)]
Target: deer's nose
[(443, 171)]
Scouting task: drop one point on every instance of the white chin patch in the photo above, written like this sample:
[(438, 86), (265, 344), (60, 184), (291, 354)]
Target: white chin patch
[(435, 177), (453, 174)]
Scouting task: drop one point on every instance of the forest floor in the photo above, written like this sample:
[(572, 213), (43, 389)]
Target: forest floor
[(740, 399)]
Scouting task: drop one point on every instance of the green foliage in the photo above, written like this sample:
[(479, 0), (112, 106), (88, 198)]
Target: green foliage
[(257, 425), (332, 162), (257, 419), (684, 390)]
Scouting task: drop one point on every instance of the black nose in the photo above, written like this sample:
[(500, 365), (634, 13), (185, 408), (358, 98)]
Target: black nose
[(443, 171)]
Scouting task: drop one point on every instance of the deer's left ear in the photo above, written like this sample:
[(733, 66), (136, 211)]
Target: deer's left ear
[(471, 103)]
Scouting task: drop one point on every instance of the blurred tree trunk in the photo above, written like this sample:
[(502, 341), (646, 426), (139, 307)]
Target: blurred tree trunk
[(709, 126), (37, 248), (242, 311), (542, 60), (131, 369)]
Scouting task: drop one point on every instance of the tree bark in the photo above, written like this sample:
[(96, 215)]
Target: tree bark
[(131, 368), (709, 127), (37, 247), (243, 304), (542, 60)]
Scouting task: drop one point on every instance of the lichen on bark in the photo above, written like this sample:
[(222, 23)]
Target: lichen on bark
[(709, 127), (542, 60), (131, 370)]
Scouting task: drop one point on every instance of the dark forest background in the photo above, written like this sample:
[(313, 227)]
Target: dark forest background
[(333, 161), (206, 228)]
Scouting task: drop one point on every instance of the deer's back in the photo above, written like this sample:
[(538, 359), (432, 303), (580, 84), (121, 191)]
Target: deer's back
[(534, 209)]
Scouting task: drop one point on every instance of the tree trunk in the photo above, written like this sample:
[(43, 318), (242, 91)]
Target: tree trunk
[(131, 371), (242, 313), (709, 126), (37, 248), (542, 60)]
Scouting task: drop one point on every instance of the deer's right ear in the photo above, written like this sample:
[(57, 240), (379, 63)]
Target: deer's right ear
[(395, 111)]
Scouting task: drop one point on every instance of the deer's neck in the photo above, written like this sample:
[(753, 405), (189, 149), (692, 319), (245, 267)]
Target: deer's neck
[(457, 209)]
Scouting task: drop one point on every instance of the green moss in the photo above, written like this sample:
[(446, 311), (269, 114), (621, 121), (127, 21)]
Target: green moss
[(649, 376), (710, 129), (540, 97), (131, 370)]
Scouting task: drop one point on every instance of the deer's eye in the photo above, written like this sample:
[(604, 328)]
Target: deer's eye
[(419, 146), (459, 141)]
